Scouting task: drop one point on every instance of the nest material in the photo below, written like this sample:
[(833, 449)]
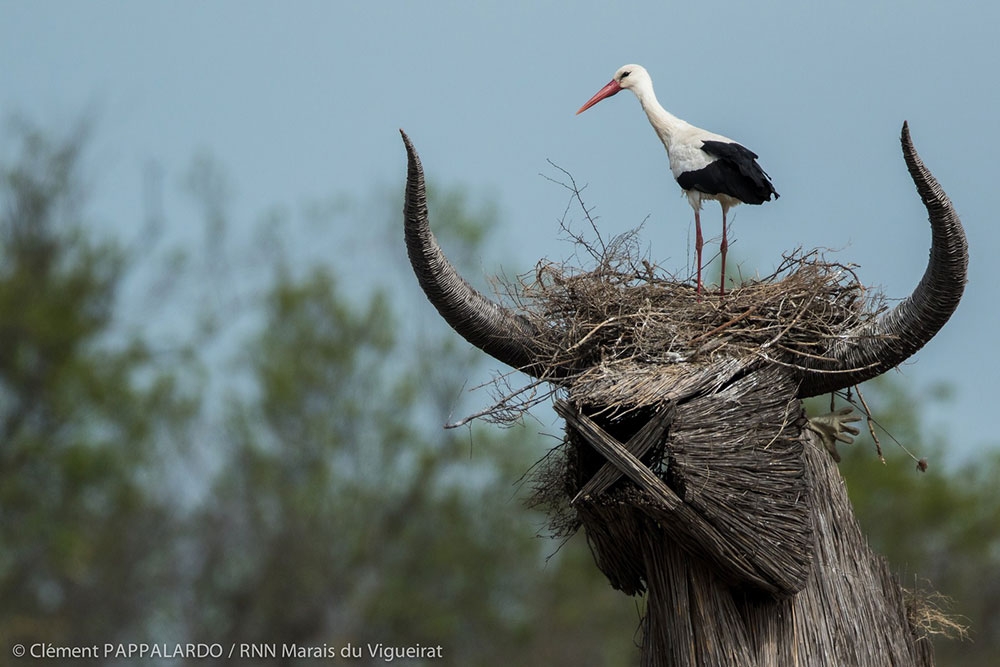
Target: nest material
[(626, 336)]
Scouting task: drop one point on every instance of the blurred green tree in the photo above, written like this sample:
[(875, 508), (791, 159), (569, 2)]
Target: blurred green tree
[(81, 528)]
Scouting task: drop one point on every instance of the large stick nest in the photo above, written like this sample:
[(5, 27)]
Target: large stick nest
[(627, 341), (626, 334)]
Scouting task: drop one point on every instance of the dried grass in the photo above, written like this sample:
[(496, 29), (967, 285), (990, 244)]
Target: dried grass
[(926, 612)]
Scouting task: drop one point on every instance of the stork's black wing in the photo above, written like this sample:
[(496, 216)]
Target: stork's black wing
[(735, 172)]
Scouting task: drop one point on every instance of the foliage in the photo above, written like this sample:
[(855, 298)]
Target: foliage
[(79, 417)]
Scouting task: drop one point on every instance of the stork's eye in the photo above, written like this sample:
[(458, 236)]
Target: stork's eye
[(625, 74)]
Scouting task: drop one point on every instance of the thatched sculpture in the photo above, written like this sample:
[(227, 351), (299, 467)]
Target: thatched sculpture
[(687, 458)]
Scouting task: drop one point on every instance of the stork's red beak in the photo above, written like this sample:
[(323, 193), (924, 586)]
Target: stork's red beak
[(607, 91)]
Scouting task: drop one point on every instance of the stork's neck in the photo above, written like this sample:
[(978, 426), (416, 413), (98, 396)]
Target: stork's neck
[(665, 123)]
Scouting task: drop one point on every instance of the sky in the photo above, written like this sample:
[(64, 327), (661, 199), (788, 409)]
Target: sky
[(302, 101)]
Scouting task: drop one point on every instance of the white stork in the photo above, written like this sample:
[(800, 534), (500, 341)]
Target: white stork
[(706, 165)]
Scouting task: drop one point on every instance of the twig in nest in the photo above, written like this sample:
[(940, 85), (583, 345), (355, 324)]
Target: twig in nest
[(872, 423), (511, 406), (592, 332), (871, 428), (572, 187), (750, 311)]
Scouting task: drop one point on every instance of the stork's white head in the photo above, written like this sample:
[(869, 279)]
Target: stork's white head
[(628, 77), (632, 76)]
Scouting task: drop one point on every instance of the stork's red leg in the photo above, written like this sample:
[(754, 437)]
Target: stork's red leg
[(698, 243), (723, 248)]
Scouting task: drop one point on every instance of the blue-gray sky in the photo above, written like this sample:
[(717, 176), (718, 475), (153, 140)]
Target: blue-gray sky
[(302, 100)]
